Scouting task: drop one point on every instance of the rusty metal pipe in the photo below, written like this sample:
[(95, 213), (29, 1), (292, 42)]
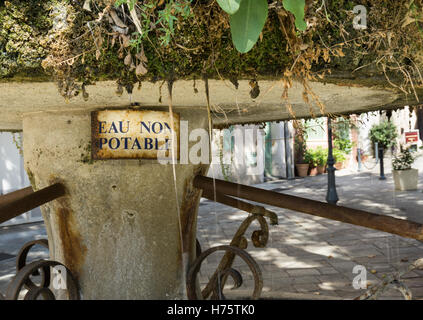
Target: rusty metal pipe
[(229, 201), (25, 201), (12, 196), (240, 204), (404, 228)]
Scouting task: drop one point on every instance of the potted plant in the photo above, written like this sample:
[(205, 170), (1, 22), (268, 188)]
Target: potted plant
[(339, 157), (322, 157), (302, 169), (384, 134), (301, 157), (405, 177), (311, 157), (345, 145)]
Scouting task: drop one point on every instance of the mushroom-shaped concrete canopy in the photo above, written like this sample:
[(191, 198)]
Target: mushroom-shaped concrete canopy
[(228, 104), (119, 229)]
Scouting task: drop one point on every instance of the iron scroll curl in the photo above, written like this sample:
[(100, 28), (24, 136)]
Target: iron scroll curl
[(22, 279), (218, 284)]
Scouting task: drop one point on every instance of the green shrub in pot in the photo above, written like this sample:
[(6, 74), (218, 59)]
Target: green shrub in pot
[(321, 155), (339, 155), (384, 134), (403, 160)]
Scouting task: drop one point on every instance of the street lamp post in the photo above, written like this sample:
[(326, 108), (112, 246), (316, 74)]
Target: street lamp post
[(331, 196), (382, 172)]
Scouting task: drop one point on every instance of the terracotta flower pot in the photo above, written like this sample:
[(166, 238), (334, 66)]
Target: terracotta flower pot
[(302, 169), (313, 171), (321, 169), (346, 162), (338, 165)]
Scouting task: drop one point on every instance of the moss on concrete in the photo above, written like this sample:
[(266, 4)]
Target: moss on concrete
[(31, 179), (24, 25), (27, 35), (25, 30)]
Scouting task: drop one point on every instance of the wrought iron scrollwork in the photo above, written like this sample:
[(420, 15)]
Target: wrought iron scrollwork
[(216, 284), (23, 254), (392, 281), (43, 268), (22, 279), (214, 288), (198, 249)]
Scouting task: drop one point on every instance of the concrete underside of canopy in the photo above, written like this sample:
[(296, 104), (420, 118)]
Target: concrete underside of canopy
[(228, 105)]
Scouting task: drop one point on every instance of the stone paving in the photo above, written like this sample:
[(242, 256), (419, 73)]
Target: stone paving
[(316, 256), (12, 238), (306, 256)]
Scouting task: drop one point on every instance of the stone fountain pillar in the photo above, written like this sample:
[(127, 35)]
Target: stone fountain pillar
[(117, 229)]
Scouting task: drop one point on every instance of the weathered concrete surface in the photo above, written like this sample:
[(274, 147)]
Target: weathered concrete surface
[(118, 229), (228, 104)]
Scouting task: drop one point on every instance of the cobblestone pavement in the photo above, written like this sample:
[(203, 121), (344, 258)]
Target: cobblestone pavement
[(306, 256)]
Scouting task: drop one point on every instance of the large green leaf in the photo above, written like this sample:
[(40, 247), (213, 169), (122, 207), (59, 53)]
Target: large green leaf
[(297, 8), (229, 6), (247, 23)]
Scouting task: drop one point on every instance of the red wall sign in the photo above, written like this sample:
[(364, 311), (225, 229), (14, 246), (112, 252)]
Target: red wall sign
[(412, 136)]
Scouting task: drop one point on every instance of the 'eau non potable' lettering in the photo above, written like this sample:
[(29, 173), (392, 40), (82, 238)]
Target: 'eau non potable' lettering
[(134, 143)]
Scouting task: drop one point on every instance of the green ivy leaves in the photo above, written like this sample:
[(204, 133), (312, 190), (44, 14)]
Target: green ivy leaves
[(247, 19)]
